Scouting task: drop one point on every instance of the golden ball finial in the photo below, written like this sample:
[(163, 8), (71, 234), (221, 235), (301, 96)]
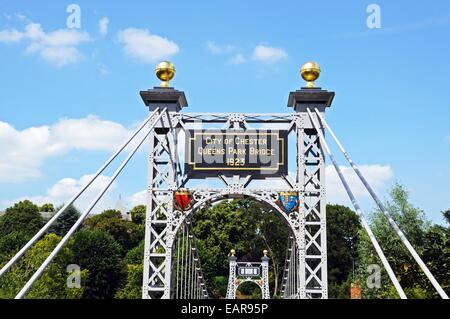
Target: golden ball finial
[(165, 71), (310, 71), (265, 252), (232, 252)]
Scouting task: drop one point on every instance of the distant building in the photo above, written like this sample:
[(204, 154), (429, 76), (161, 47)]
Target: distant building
[(124, 211)]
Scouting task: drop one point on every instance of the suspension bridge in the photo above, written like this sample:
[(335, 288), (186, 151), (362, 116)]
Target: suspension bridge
[(234, 149)]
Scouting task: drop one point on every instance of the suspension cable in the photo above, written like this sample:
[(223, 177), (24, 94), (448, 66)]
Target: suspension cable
[(182, 262), (38, 235), (178, 265), (186, 263), (189, 269), (66, 237), (359, 212), (191, 287), (394, 225)]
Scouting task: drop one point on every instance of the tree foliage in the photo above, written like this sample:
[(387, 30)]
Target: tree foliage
[(110, 251), (126, 233), (48, 207), (138, 214), (19, 223), (244, 225), (22, 217), (136, 255), (53, 282), (343, 227), (133, 286), (100, 254), (65, 221), (10, 244), (430, 242)]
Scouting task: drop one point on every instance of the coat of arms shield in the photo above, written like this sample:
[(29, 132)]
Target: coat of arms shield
[(183, 199), (288, 201)]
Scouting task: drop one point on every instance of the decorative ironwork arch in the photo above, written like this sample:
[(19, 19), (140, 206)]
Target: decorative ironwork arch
[(203, 197)]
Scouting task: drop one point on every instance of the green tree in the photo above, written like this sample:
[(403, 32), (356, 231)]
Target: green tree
[(133, 286), (65, 221), (218, 285), (436, 255), (219, 229), (126, 233), (53, 282), (136, 255), (248, 290), (343, 227), (275, 233), (413, 223), (446, 215), (10, 244), (100, 254), (244, 225), (93, 220), (138, 214), (22, 217), (47, 208)]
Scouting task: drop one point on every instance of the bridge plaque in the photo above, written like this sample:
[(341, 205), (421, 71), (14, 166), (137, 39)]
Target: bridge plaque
[(248, 271), (259, 153)]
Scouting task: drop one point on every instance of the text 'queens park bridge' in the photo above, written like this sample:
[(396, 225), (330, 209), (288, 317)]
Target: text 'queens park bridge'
[(235, 151)]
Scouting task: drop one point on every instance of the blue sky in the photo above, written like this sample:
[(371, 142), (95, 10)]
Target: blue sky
[(391, 109)]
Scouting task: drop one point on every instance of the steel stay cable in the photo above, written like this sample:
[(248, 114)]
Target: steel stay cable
[(38, 235), (394, 225), (66, 237), (359, 212)]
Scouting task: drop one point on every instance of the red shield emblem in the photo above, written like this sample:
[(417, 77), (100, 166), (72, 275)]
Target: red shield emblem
[(183, 200)]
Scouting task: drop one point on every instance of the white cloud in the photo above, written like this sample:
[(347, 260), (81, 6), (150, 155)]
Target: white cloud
[(146, 47), (57, 38), (139, 198), (79, 133), (376, 175), (61, 56), (219, 49), (59, 47), (269, 54), (238, 59), (24, 151), (10, 35), (66, 188), (103, 26)]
